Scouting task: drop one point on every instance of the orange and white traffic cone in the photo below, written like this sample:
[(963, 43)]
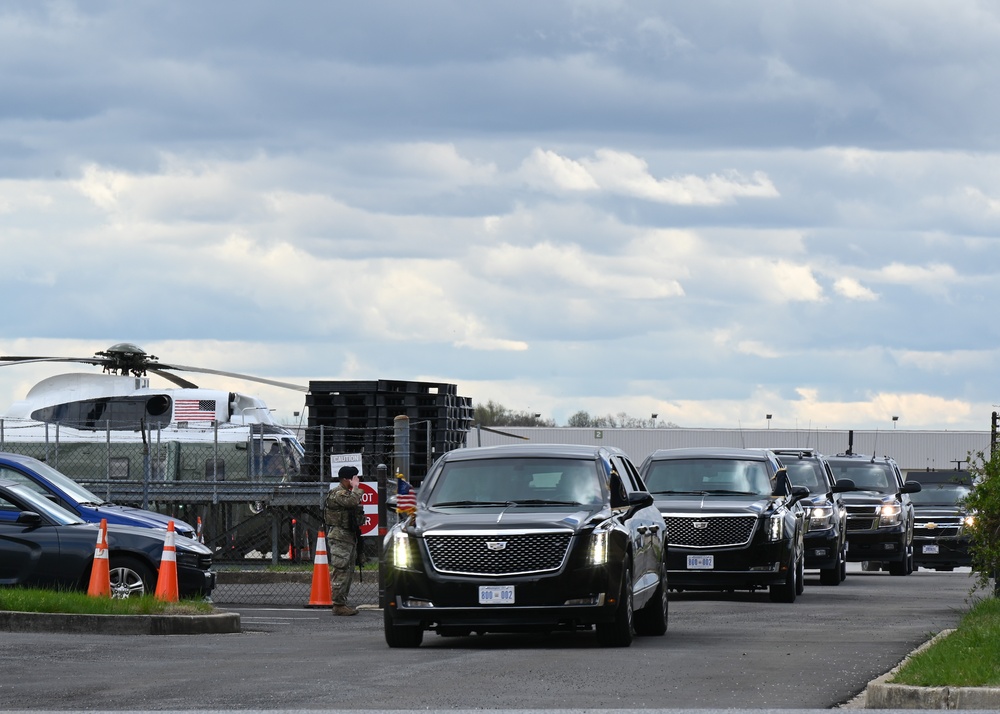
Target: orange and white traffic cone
[(100, 572), (321, 595), (304, 551), (199, 536), (166, 581)]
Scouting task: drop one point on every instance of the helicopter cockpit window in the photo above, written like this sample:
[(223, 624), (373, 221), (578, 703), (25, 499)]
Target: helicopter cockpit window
[(119, 413)]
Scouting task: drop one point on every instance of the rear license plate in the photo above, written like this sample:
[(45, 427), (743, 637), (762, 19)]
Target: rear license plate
[(930, 550), (496, 594), (701, 562)]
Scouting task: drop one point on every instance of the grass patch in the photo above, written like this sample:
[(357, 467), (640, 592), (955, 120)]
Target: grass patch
[(77, 603), (968, 657)]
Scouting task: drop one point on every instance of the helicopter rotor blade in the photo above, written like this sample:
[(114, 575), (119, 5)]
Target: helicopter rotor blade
[(8, 361), (236, 375), (176, 379)]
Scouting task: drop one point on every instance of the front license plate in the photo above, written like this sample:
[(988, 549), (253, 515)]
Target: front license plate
[(701, 562), (496, 594), (930, 550)]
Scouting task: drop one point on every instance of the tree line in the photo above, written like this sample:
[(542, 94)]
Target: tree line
[(495, 414)]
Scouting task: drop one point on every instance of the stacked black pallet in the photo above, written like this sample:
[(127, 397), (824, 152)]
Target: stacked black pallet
[(347, 417)]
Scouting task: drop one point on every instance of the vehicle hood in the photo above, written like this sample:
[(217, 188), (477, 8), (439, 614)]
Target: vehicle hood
[(514, 518), (129, 536), (751, 505), (867, 498), (131, 516)]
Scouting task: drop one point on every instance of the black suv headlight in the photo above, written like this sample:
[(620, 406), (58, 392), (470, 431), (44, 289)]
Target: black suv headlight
[(890, 514), (820, 517), (599, 539), (776, 527)]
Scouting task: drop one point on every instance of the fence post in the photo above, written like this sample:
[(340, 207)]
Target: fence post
[(107, 438), (401, 445), (382, 471)]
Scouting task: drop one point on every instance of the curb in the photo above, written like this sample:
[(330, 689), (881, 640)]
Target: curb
[(216, 623), (879, 694)]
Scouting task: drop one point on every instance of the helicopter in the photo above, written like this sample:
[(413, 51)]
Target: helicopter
[(119, 406)]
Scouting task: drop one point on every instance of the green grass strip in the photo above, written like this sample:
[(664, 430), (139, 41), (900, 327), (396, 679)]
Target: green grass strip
[(32, 600), (968, 657)]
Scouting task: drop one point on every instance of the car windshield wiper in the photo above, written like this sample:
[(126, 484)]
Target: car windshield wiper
[(463, 504), (543, 502), (95, 504), (718, 491), (685, 493)]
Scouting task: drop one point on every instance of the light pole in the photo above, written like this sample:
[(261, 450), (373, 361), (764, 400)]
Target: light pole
[(894, 420), (768, 422)]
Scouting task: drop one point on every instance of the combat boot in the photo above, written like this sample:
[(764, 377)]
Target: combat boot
[(344, 610)]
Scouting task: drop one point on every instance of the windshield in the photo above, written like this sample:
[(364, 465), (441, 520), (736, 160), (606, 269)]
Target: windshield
[(24, 498), (867, 476), (518, 481), (940, 494), (709, 476), (806, 473), (74, 491)]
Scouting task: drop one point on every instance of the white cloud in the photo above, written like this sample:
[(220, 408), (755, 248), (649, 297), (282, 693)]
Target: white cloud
[(854, 290), (625, 174)]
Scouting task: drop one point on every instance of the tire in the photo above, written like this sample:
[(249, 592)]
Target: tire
[(787, 591), (619, 632), (843, 566), (830, 576), (652, 618), (400, 635), (130, 577), (898, 567)]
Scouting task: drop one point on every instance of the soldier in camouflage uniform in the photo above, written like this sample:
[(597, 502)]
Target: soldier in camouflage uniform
[(344, 515)]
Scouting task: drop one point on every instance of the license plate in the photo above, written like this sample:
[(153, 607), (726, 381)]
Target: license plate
[(496, 594), (930, 550), (701, 562)]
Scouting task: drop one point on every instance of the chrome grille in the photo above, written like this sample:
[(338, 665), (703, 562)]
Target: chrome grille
[(709, 531), (944, 527), (862, 518), (498, 553)]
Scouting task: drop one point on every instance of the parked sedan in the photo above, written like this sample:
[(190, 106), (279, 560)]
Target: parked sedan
[(87, 506), (43, 545)]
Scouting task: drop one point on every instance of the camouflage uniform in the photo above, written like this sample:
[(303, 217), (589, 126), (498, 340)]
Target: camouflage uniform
[(342, 506)]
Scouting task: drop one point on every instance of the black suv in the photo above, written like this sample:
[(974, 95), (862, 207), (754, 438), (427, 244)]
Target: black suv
[(528, 537), (879, 512), (940, 519), (733, 518), (825, 511)]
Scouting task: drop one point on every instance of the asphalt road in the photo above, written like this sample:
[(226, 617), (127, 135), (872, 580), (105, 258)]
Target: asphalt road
[(721, 651)]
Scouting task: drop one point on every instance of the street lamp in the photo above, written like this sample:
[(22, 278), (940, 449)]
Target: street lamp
[(768, 421), (894, 420)]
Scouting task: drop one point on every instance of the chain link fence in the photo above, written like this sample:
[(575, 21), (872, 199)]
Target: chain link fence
[(251, 499)]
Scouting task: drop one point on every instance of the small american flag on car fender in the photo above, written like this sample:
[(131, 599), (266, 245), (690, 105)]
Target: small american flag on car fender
[(194, 410), (406, 499)]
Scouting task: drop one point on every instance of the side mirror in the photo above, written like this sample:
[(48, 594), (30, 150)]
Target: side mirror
[(619, 496), (843, 485), (29, 518), (798, 493), (639, 499), (911, 487)]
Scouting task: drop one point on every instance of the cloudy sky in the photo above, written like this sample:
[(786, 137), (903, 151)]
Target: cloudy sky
[(710, 211)]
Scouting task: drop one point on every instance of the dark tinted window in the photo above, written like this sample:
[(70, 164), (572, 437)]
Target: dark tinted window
[(517, 479), (118, 412), (708, 476), (806, 473), (866, 475), (940, 494)]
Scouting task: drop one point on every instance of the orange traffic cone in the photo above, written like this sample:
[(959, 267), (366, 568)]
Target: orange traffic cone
[(166, 581), (100, 573), (321, 595), (199, 536), (304, 550)]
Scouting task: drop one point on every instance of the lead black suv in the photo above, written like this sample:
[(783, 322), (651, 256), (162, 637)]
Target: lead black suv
[(940, 540), (528, 537), (879, 512), (733, 518), (825, 511)]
